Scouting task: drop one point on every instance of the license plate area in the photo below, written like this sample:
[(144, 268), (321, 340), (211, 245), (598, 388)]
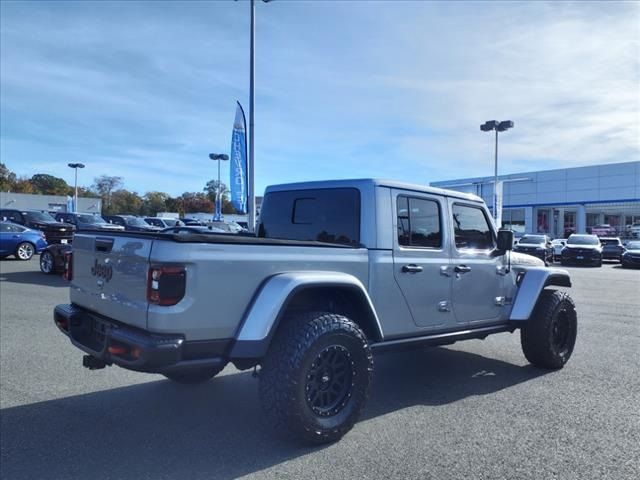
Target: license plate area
[(580, 257), (90, 332), (99, 331)]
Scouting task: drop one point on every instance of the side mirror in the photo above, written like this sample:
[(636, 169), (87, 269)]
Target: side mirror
[(505, 240)]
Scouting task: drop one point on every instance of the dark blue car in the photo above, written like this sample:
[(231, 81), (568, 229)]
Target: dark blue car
[(20, 241)]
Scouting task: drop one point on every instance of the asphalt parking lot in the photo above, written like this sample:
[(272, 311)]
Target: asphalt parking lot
[(473, 410)]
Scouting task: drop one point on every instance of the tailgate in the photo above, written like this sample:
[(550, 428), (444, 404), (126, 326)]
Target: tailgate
[(110, 276)]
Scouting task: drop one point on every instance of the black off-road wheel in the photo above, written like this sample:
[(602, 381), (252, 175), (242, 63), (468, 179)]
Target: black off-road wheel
[(191, 377), (316, 377), (549, 336)]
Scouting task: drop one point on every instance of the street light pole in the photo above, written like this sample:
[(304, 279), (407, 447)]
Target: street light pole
[(218, 157), (251, 165), (498, 127), (76, 166)]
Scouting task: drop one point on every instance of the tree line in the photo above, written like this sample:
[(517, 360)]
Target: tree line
[(118, 200)]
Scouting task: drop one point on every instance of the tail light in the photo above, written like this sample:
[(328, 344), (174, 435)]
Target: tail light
[(166, 284), (68, 266)]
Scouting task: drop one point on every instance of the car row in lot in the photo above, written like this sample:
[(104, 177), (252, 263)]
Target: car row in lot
[(25, 233), (578, 249)]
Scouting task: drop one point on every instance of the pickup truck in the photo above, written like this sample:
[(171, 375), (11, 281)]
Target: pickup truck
[(337, 271)]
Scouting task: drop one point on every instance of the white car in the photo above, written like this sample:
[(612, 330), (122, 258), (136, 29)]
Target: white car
[(558, 244)]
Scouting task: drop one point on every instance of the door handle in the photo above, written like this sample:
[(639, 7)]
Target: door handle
[(462, 269), (411, 268)]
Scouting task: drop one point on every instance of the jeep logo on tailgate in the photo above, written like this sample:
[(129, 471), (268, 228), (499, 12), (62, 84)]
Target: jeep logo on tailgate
[(102, 271)]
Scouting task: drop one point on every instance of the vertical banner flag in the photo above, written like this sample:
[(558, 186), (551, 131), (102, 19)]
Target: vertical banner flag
[(238, 164)]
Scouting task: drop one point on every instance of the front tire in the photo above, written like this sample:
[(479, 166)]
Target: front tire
[(316, 377), (25, 251), (192, 377), (47, 263), (549, 336)]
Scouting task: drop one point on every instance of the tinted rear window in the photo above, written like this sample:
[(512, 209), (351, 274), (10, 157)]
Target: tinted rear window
[(329, 215)]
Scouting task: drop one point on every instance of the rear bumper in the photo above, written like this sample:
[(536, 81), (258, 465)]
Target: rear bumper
[(135, 349)]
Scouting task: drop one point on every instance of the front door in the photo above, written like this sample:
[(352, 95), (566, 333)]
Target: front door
[(478, 286), (421, 258)]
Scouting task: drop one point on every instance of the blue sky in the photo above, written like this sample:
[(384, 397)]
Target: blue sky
[(146, 90)]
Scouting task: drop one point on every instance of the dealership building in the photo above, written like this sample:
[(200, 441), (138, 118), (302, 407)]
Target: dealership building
[(48, 203), (566, 200)]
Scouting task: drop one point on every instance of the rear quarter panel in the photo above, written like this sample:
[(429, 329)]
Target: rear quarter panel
[(222, 280)]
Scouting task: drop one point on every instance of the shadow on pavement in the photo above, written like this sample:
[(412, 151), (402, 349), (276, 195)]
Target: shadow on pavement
[(33, 277), (216, 430)]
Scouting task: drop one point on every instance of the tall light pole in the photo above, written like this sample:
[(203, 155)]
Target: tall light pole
[(219, 157), (498, 126), (251, 163), (76, 166)]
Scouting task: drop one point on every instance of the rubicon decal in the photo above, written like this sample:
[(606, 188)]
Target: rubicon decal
[(101, 270)]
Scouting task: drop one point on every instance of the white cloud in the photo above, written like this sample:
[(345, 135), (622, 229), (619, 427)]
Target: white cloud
[(394, 89)]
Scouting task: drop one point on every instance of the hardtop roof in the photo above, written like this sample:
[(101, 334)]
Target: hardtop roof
[(362, 183)]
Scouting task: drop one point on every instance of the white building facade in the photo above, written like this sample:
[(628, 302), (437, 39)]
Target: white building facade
[(563, 201)]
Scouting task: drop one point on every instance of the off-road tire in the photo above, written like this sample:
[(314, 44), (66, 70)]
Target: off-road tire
[(549, 336), (316, 377), (47, 263), (192, 377)]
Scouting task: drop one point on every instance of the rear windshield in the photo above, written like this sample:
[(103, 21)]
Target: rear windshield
[(535, 239), (583, 240), (329, 215), (135, 221)]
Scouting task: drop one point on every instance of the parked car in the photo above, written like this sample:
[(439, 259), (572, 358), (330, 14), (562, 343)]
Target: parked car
[(631, 256), (225, 226), (612, 248), (87, 221), (20, 241), (633, 231), (537, 245), (557, 245), (54, 231), (582, 249), (53, 258), (131, 223), (193, 222), (163, 222), (604, 230), (328, 280)]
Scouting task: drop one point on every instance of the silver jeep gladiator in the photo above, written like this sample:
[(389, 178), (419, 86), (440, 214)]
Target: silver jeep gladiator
[(337, 271)]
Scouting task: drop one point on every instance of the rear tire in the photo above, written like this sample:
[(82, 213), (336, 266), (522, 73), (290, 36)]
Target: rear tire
[(192, 377), (316, 377), (549, 336), (25, 251), (47, 263)]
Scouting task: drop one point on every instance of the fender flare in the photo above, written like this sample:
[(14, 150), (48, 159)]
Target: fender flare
[(534, 281), (263, 316)]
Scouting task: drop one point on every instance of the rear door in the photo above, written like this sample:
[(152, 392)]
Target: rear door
[(110, 276), (478, 287), (421, 258)]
